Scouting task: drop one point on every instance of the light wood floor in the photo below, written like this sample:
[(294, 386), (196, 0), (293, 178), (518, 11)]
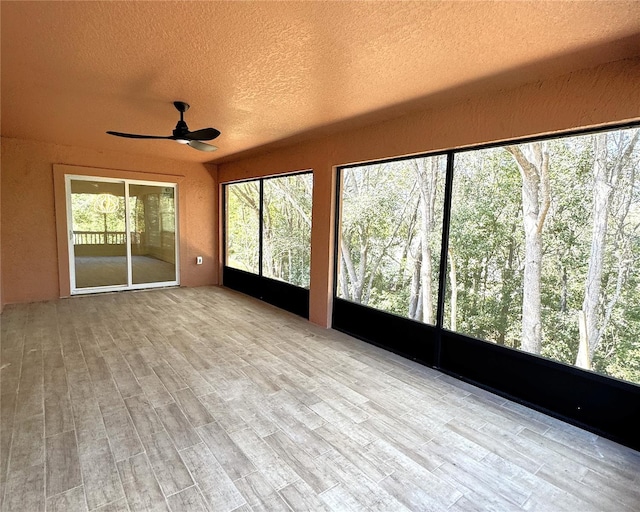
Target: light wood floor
[(204, 399), (112, 270)]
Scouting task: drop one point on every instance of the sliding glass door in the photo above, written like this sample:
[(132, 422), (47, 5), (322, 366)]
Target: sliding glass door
[(152, 234), (122, 234)]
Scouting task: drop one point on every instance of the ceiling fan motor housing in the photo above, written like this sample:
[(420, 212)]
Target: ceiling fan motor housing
[(181, 129)]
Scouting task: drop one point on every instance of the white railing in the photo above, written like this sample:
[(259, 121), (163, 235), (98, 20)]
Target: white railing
[(103, 238)]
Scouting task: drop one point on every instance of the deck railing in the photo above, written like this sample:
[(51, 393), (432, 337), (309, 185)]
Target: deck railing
[(103, 238)]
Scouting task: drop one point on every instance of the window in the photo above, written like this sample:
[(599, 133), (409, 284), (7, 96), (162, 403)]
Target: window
[(390, 238), (268, 227), (544, 249), (286, 229), (243, 226)]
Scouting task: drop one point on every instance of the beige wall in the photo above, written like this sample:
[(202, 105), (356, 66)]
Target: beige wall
[(1, 301), (29, 246), (604, 95)]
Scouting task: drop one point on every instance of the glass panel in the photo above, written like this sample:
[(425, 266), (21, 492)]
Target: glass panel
[(286, 235), (544, 250), (99, 238), (391, 229), (152, 232), (243, 226)]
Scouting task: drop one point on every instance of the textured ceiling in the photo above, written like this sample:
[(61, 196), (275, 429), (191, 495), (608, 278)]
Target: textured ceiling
[(262, 72)]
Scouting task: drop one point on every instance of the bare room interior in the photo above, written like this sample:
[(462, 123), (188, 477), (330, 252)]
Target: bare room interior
[(332, 256)]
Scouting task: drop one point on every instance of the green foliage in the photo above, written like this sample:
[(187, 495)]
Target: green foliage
[(88, 218), (243, 237), (286, 230), (152, 209), (381, 234)]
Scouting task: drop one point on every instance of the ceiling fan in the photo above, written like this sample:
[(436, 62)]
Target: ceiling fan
[(181, 133)]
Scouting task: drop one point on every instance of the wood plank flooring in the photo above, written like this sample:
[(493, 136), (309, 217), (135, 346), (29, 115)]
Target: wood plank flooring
[(112, 270), (202, 399)]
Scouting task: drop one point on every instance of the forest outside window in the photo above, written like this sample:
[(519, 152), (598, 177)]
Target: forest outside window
[(544, 249), (243, 226), (390, 239), (286, 228), (268, 228)]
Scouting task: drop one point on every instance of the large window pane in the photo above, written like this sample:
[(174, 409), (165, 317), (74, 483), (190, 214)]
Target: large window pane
[(152, 233), (243, 226), (99, 236), (391, 229), (286, 228), (544, 250)]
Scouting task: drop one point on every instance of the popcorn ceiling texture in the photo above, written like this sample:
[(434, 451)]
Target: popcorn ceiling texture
[(264, 71)]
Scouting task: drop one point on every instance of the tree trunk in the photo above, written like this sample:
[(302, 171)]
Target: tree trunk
[(506, 288), (453, 279), (415, 287), (362, 269), (583, 360), (268, 267), (344, 284), (536, 198), (427, 170), (351, 271), (601, 198), (425, 282), (605, 179)]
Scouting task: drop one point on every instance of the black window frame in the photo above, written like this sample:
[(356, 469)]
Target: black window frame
[(601, 404), (287, 296)]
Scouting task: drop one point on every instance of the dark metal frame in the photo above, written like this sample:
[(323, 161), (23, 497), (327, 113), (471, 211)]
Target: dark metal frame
[(601, 404), (278, 293)]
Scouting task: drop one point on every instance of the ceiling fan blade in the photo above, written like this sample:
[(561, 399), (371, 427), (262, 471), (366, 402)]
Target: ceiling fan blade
[(201, 146), (136, 136), (204, 134)]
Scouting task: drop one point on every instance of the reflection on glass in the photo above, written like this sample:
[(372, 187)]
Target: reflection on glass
[(286, 228), (152, 234), (99, 237), (544, 250), (243, 226), (391, 229)]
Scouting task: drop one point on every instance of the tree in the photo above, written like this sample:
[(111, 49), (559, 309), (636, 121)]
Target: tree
[(453, 282), (607, 176), (533, 162), (390, 235), (243, 211), (376, 217), (485, 246), (286, 227), (427, 171)]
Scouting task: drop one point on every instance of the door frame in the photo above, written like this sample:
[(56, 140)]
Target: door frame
[(127, 214), (62, 209)]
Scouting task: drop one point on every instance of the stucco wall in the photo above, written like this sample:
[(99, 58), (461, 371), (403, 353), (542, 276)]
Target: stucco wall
[(607, 94), (29, 250), (1, 301)]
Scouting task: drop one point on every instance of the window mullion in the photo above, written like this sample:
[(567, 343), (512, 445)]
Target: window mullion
[(444, 248), (261, 228)]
